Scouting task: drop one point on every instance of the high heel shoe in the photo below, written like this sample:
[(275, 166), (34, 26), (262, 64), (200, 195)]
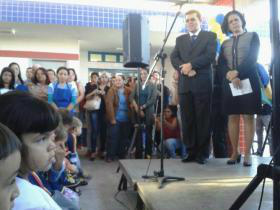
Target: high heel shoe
[(233, 161), (247, 161)]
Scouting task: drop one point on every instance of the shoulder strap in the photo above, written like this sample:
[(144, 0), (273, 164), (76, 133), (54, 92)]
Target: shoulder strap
[(39, 182)]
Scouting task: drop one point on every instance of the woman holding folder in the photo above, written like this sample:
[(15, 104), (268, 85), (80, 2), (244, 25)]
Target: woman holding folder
[(237, 61)]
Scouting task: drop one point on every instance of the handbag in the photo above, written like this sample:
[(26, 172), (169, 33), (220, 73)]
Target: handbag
[(93, 104)]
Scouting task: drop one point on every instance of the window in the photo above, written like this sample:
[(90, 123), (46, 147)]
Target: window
[(105, 57)]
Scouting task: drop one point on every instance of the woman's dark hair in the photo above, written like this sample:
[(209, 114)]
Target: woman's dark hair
[(173, 110), (24, 113), (62, 68), (9, 142), (71, 69), (19, 74), (51, 71), (94, 73), (12, 84), (35, 79), (225, 27)]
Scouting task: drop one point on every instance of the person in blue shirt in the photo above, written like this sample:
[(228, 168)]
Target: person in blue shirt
[(61, 94), (118, 115)]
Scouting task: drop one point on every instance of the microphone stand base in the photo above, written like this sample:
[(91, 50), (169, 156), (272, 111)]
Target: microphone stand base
[(161, 179)]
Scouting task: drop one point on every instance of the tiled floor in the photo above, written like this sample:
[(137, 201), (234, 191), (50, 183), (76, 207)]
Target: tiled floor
[(99, 194)]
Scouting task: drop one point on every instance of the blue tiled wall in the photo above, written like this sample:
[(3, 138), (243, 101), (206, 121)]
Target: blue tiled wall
[(80, 15), (67, 14)]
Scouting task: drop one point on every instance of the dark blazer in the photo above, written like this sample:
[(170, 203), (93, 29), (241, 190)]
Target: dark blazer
[(150, 103), (201, 55)]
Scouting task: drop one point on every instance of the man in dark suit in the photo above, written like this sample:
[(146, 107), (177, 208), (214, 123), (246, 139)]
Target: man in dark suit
[(192, 58)]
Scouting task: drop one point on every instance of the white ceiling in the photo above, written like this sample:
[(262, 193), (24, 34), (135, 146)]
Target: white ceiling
[(94, 39)]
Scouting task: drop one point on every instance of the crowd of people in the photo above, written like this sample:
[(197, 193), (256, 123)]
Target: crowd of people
[(51, 118), (107, 106)]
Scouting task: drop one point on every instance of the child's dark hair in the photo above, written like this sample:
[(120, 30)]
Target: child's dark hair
[(12, 84), (9, 142), (66, 117), (24, 113)]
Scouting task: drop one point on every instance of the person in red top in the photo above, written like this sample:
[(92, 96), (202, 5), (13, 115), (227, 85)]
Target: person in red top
[(171, 132)]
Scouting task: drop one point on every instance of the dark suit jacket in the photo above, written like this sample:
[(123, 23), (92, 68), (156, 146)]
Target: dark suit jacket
[(201, 55)]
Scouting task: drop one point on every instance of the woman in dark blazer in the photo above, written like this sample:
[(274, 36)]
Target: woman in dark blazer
[(237, 61), (146, 109)]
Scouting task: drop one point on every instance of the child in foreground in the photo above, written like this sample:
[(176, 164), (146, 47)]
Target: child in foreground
[(34, 122), (9, 165)]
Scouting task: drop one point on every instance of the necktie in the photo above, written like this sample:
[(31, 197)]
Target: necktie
[(193, 38)]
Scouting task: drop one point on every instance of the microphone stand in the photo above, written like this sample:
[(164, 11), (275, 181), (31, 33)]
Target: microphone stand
[(159, 175)]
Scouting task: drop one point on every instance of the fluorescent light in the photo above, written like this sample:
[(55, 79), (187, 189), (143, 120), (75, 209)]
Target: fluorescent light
[(7, 31)]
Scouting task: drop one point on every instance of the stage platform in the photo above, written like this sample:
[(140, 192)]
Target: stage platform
[(213, 186)]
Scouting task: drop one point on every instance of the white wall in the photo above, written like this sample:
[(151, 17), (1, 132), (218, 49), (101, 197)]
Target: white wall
[(15, 43), (84, 65), (39, 45)]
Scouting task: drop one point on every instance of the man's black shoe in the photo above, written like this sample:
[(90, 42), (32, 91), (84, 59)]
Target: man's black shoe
[(188, 158), (200, 160)]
